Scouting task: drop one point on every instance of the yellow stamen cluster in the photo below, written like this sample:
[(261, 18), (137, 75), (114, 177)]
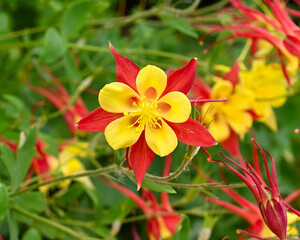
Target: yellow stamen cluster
[(148, 114)]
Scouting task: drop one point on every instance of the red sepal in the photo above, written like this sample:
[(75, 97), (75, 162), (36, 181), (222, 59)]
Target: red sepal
[(127, 71), (193, 133), (201, 89), (231, 144), (97, 120), (171, 222), (140, 158), (182, 79), (233, 75), (153, 228)]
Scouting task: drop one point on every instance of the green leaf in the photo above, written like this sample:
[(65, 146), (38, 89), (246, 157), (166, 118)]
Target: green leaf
[(25, 153), (8, 158), (183, 229), (157, 187), (180, 24), (31, 201), (14, 106), (72, 71), (32, 234), (52, 48), (72, 193), (75, 17), (119, 211), (119, 155), (3, 201), (4, 22), (13, 227), (52, 146)]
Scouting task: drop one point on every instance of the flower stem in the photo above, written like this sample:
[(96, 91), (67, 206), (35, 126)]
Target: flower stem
[(188, 10), (70, 177), (190, 153)]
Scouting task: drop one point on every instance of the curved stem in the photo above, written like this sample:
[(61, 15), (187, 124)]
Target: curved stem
[(69, 177), (132, 51), (191, 152), (188, 10)]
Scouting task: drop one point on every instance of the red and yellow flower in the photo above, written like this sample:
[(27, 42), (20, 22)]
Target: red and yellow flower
[(147, 111), (266, 84), (267, 31), (230, 118)]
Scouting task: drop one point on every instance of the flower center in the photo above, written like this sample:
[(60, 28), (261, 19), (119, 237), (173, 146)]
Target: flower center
[(147, 113)]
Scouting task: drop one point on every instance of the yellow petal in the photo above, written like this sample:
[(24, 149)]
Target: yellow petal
[(270, 119), (174, 107), (151, 81), (117, 97), (272, 94), (221, 89), (120, 134), (209, 111), (239, 121), (162, 141), (219, 129), (241, 99)]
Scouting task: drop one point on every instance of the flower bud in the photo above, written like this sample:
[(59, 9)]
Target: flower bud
[(274, 214)]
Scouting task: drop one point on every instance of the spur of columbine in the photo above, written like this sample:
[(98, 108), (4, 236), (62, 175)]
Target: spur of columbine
[(271, 205), (147, 111)]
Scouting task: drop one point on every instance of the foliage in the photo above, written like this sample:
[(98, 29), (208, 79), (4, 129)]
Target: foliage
[(55, 57)]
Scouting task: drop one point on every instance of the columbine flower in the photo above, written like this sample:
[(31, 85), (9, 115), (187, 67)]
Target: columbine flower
[(265, 82), (60, 98), (226, 119), (277, 29), (148, 111), (272, 207), (68, 161)]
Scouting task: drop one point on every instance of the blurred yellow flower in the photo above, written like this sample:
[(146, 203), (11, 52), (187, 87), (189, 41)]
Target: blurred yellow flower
[(266, 83), (68, 162), (231, 114)]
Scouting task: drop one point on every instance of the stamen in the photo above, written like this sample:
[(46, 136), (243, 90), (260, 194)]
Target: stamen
[(148, 114)]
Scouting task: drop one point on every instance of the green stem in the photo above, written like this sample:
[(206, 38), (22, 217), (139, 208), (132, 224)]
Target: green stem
[(23, 32), (202, 185), (52, 224), (212, 8), (69, 177), (20, 45), (188, 10), (121, 21), (191, 152), (104, 50), (132, 51)]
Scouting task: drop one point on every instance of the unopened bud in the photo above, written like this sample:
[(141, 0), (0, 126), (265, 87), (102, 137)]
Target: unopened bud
[(274, 214)]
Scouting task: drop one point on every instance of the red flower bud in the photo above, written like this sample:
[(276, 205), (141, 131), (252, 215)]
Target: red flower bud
[(274, 214)]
